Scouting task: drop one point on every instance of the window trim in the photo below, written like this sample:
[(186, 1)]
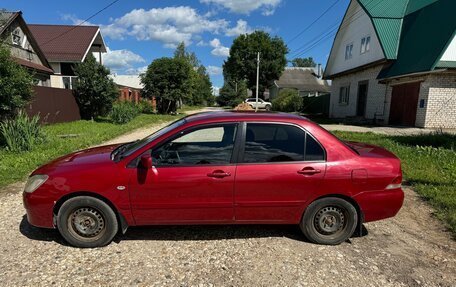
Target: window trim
[(347, 100), (351, 54), (16, 33), (243, 127), (365, 44), (134, 162)]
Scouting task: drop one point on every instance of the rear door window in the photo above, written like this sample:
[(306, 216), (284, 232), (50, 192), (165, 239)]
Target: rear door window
[(266, 142)]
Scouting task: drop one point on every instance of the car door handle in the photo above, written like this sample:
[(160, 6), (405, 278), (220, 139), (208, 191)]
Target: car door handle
[(218, 174), (309, 171)]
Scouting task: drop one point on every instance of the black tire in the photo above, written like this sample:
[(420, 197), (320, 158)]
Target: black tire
[(268, 108), (87, 222), (329, 221)]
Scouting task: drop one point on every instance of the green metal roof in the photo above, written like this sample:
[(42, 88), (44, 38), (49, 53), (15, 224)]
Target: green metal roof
[(387, 17), (388, 31), (425, 35)]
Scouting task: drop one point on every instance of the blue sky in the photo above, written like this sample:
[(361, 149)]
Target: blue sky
[(138, 31)]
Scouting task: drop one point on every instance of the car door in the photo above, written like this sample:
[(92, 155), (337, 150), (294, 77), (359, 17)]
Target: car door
[(191, 181), (279, 167)]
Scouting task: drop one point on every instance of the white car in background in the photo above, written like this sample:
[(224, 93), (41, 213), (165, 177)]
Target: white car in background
[(262, 104)]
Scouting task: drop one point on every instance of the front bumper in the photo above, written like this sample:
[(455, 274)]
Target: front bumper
[(377, 205), (39, 209)]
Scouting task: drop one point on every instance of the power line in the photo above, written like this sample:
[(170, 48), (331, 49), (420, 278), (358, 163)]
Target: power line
[(309, 45), (305, 45), (80, 24), (315, 21)]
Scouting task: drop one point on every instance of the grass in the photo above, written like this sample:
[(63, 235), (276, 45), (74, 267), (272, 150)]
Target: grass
[(77, 135), (429, 166)]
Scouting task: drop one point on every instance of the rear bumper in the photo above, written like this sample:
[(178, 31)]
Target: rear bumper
[(377, 205)]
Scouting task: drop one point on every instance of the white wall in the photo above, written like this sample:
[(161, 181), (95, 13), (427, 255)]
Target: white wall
[(450, 53), (354, 27), (376, 107)]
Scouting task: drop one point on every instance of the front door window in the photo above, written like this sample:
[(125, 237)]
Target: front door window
[(206, 146)]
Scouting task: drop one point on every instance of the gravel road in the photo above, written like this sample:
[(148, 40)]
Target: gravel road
[(412, 249)]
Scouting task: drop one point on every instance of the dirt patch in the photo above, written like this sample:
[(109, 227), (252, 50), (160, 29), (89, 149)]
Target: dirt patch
[(412, 249)]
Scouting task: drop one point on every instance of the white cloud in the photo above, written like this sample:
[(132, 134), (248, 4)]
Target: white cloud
[(241, 28), (219, 49), (121, 59), (201, 43), (246, 6), (215, 91), (136, 71), (214, 70), (169, 25)]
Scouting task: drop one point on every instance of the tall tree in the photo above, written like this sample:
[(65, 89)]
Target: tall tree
[(232, 93), (303, 62), (242, 61), (167, 79), (15, 85), (94, 91), (200, 88)]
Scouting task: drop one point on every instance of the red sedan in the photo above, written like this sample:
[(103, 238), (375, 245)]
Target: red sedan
[(218, 168)]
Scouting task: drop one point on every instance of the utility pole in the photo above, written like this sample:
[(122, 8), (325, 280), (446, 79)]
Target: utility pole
[(257, 81)]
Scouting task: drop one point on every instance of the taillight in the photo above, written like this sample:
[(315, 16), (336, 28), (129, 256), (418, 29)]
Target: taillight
[(396, 183)]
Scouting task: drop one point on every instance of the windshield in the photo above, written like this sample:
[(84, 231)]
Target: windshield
[(140, 143)]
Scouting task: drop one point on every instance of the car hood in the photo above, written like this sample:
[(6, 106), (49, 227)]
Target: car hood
[(84, 158)]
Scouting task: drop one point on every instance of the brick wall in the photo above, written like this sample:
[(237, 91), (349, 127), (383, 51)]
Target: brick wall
[(439, 93), (375, 96)]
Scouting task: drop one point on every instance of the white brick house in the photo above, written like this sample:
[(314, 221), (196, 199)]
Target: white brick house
[(394, 62)]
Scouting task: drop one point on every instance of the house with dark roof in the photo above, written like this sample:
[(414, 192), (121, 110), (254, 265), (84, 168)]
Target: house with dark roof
[(307, 81), (66, 45), (394, 62), (24, 49)]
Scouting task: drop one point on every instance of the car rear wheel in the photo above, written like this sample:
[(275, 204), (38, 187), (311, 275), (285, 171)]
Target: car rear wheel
[(268, 108), (329, 221), (86, 222)]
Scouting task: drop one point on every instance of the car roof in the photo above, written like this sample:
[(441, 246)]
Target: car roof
[(242, 115)]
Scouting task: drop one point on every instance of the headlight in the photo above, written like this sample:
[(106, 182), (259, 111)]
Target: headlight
[(34, 182)]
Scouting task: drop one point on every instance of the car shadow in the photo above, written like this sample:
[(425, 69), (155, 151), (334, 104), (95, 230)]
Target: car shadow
[(40, 234), (184, 232)]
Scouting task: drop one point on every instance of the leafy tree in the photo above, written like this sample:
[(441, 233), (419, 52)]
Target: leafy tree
[(288, 100), (94, 91), (303, 62), (167, 79), (15, 85), (200, 88), (232, 93), (242, 62), (182, 53)]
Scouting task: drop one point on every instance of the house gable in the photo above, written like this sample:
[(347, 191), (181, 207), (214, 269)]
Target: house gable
[(355, 26), (23, 47)]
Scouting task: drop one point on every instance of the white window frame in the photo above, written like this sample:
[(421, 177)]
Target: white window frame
[(344, 94), (365, 44), (18, 40), (349, 51), (72, 81)]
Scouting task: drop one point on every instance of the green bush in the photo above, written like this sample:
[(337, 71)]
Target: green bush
[(287, 101), (146, 107), (21, 133), (123, 112)]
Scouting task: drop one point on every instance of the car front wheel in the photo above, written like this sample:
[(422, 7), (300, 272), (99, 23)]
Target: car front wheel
[(87, 222), (329, 221)]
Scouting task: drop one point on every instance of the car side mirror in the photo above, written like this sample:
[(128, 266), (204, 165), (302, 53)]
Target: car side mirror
[(146, 161)]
